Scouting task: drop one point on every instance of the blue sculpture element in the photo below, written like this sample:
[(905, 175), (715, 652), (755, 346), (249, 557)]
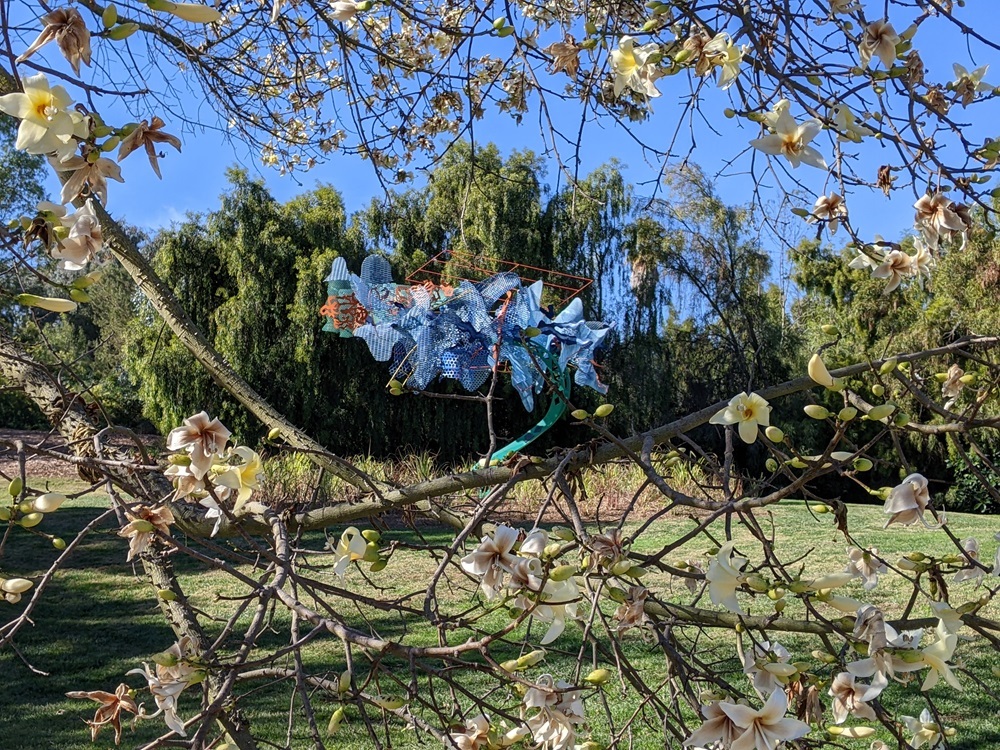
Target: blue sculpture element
[(464, 332)]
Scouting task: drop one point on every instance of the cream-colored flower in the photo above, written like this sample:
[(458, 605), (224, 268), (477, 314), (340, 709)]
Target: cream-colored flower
[(767, 727), (46, 122), (831, 209), (847, 125), (851, 698), (936, 218), (936, 657), (924, 730), (67, 28), (474, 736), (350, 548), (204, 439), (552, 711), (879, 39), (166, 685), (722, 53), (724, 577), (748, 412), (84, 241), (764, 663), (953, 385), (142, 523), (717, 727), (790, 139), (243, 476), (492, 560), (343, 11), (632, 67), (147, 134), (907, 501), (844, 6), (558, 601), (972, 571), (922, 261), (866, 565), (950, 619), (967, 84), (895, 266), (87, 174)]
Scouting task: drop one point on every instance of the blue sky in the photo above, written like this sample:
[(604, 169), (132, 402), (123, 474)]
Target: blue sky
[(194, 180)]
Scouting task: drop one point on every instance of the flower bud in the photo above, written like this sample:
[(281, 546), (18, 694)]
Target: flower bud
[(830, 330), (818, 372), (510, 665), (389, 703), (49, 502), (58, 543), (774, 434), (820, 508), (166, 659), (31, 519), (15, 487), (371, 535), (771, 465), (110, 16), (16, 585), (530, 332), (166, 595), (888, 366), (561, 532), (877, 413), (598, 677), (815, 411), (604, 410), (344, 682), (5, 513), (779, 670), (580, 414), (123, 31), (335, 721), (847, 414), (531, 659), (562, 572), (78, 295), (52, 304)]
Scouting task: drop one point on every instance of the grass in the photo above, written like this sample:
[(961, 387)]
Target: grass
[(99, 619)]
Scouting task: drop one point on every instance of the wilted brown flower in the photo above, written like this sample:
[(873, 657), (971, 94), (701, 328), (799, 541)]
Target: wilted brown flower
[(142, 523), (885, 179), (109, 712), (632, 613), (607, 548), (67, 28), (146, 134), (565, 56)]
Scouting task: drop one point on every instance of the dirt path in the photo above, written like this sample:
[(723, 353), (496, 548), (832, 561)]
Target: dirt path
[(44, 466)]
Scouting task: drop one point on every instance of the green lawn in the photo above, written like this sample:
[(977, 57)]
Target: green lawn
[(99, 620)]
